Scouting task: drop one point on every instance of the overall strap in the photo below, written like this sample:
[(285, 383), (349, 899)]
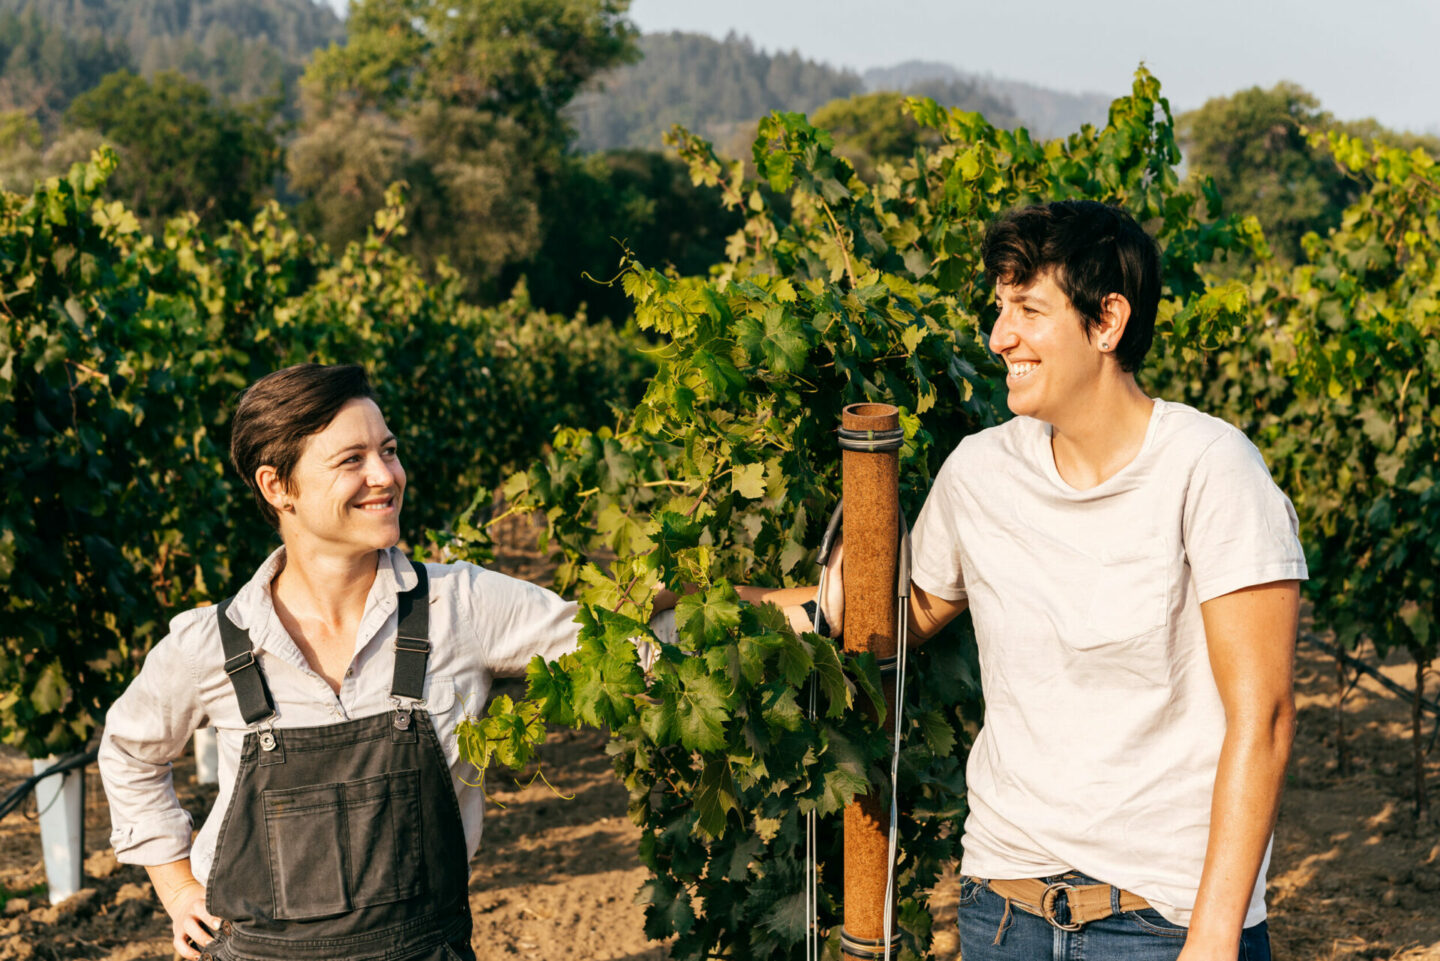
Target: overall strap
[(412, 640), (250, 687)]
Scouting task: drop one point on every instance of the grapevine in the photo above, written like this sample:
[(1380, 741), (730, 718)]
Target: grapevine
[(838, 290)]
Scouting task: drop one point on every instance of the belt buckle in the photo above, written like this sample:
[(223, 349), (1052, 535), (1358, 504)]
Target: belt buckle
[(1047, 906)]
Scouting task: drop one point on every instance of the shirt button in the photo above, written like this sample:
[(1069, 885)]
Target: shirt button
[(350, 672)]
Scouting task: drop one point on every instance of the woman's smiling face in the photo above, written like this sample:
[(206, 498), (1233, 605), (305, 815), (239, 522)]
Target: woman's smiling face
[(1051, 363), (348, 486)]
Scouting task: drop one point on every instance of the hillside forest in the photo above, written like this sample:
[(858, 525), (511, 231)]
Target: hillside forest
[(544, 168)]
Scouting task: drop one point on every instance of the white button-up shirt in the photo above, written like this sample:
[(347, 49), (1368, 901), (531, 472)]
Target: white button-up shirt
[(482, 624)]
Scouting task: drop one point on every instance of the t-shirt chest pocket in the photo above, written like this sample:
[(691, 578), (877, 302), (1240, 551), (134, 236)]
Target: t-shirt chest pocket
[(1129, 596)]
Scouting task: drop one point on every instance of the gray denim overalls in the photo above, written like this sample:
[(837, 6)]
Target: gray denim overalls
[(343, 841)]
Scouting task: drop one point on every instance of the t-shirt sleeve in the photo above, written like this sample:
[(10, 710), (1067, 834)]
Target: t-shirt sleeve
[(514, 620), (935, 539), (1239, 527)]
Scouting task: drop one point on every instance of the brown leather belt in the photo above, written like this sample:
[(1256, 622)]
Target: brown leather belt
[(1085, 902)]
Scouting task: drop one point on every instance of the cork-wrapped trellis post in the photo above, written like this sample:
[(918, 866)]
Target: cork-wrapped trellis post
[(870, 438)]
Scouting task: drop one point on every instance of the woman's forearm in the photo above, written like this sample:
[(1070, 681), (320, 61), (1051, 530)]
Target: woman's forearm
[(1242, 817), (173, 882)]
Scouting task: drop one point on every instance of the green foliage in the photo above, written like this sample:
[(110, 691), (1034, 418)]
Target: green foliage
[(873, 128), (1046, 113), (240, 50), (120, 362), (180, 150), (460, 100), (602, 205), (46, 66), (837, 290), (1254, 147), (1356, 435), (1336, 384)]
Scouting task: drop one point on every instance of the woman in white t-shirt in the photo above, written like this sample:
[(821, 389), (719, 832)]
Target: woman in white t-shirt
[(1132, 572)]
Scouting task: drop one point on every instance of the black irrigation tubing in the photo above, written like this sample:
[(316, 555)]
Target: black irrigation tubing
[(1398, 689), (22, 790)]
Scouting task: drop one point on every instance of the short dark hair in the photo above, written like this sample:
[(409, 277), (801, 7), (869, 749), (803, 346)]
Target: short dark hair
[(280, 410), (1095, 250)]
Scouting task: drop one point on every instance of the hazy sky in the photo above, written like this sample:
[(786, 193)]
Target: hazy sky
[(1374, 59)]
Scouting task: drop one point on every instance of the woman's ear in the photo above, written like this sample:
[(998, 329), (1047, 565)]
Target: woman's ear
[(1114, 315), (267, 480)]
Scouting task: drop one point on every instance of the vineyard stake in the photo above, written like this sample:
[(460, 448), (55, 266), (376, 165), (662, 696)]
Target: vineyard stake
[(870, 477)]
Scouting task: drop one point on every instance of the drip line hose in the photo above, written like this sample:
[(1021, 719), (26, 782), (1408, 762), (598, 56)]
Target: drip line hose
[(863, 947), (902, 639), (21, 791)]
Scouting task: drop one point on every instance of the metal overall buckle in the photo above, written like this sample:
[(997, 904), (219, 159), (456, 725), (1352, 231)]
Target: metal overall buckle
[(404, 707), (1047, 906), (267, 734)]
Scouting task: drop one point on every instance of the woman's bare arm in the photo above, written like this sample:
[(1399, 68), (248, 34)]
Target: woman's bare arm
[(1251, 639)]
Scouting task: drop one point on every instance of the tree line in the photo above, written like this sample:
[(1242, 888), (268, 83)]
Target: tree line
[(218, 107)]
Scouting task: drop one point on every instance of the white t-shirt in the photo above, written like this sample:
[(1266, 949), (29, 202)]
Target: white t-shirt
[(1103, 724)]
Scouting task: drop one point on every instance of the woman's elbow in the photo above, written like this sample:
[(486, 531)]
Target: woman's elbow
[(1267, 727)]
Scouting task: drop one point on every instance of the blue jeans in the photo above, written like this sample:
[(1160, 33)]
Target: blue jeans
[(1128, 936)]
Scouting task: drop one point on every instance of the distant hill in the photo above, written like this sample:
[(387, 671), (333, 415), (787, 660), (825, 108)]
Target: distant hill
[(1046, 113), (240, 49), (711, 86), (719, 88)]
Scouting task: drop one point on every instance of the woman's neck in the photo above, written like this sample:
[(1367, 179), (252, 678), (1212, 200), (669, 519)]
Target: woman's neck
[(323, 586), (1103, 435)]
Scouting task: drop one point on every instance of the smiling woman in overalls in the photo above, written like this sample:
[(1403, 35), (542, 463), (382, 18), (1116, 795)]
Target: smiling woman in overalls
[(335, 678)]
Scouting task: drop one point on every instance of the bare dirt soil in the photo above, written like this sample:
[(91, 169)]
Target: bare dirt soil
[(1354, 875)]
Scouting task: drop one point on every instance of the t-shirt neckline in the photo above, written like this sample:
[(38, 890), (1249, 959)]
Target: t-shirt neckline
[(1046, 455)]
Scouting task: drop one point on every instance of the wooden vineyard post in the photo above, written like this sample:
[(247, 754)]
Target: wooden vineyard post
[(870, 439)]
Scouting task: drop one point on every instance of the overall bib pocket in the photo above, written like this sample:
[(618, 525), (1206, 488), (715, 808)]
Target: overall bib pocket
[(344, 845)]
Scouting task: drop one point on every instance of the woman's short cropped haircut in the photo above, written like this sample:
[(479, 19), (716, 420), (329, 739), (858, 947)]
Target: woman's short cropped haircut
[(279, 411), (1094, 250)]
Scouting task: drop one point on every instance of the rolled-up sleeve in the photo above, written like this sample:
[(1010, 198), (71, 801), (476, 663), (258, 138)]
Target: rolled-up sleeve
[(515, 620), (144, 731)]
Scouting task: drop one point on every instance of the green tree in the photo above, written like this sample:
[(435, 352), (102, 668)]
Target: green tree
[(1254, 146), (602, 205), (44, 65), (461, 100), (241, 50), (181, 151), (873, 128)]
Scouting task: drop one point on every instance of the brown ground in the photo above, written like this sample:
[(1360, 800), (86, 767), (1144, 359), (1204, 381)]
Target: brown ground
[(1354, 877)]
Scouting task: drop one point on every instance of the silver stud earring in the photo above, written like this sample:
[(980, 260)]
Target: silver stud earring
[(1104, 345)]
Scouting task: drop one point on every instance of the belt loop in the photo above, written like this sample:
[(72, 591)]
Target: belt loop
[(1114, 899)]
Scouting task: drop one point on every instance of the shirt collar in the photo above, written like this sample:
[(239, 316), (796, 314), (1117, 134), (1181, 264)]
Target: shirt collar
[(254, 609)]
